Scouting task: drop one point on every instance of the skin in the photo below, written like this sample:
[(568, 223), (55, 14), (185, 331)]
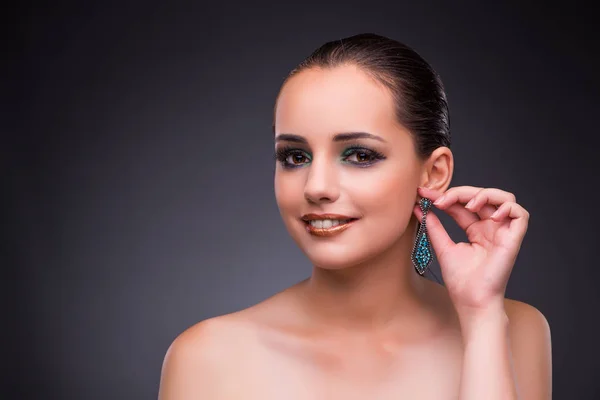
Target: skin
[(365, 324)]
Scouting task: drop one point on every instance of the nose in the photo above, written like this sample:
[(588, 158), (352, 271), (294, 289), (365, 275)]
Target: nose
[(322, 184)]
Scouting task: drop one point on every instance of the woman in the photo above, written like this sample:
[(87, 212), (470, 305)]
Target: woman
[(362, 146)]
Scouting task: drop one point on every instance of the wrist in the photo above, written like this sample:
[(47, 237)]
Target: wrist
[(483, 320)]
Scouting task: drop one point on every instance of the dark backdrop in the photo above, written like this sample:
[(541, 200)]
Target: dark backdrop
[(137, 159)]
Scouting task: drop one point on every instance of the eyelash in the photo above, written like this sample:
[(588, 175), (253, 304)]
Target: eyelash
[(282, 154)]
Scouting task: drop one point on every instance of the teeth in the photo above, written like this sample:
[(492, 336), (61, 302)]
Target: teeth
[(327, 223)]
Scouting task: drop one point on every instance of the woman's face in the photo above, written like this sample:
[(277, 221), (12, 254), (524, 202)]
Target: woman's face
[(341, 151)]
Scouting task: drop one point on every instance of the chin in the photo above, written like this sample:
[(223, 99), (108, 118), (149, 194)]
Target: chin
[(336, 255), (345, 258)]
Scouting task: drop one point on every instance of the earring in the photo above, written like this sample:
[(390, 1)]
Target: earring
[(422, 254)]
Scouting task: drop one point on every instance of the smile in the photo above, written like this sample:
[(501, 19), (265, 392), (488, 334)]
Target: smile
[(327, 225)]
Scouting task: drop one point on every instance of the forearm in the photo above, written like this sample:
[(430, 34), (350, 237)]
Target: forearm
[(487, 371)]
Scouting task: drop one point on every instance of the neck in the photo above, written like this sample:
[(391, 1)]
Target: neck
[(371, 295)]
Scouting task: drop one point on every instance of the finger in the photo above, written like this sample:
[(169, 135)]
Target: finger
[(486, 201), (440, 240), (482, 201), (518, 215), (463, 217), (458, 194), (431, 194), (491, 196), (485, 211)]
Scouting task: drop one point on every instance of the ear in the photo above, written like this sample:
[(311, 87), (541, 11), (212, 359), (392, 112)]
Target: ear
[(438, 169)]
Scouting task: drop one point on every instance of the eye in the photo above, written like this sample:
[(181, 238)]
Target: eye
[(296, 158), (292, 158), (361, 156)]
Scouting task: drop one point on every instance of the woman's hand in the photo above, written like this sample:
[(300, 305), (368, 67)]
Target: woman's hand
[(476, 273)]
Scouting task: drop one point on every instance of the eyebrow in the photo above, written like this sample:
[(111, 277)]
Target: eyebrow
[(340, 137)]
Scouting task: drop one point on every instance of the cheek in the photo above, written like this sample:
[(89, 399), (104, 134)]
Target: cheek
[(389, 193), (288, 192)]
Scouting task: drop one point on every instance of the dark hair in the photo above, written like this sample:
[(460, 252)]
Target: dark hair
[(417, 89)]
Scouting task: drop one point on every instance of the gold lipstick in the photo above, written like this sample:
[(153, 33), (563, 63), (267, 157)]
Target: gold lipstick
[(327, 232)]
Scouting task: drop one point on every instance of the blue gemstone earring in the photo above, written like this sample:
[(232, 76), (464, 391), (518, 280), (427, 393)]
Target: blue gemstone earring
[(422, 254)]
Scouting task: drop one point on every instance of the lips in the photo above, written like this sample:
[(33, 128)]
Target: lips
[(326, 225)]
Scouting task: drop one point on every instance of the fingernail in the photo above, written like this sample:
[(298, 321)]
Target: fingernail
[(470, 203), (439, 200), (495, 214)]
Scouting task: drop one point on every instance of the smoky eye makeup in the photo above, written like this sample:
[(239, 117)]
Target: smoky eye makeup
[(361, 155), (356, 155), (292, 157)]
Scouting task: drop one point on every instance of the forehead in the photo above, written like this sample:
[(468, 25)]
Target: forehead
[(340, 99)]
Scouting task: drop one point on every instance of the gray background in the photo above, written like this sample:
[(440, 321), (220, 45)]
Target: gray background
[(137, 160)]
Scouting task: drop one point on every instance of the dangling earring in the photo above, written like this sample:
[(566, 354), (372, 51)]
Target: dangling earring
[(422, 254)]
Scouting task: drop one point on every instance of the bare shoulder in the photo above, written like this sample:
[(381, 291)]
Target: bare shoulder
[(526, 320), (531, 349), (196, 361), (200, 362), (205, 340)]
